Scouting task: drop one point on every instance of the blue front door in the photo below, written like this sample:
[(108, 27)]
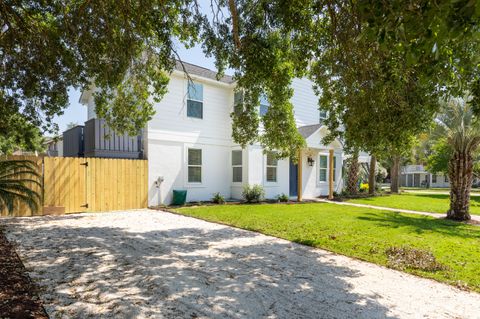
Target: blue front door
[(293, 179)]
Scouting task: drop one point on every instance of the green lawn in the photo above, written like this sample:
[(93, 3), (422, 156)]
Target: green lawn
[(434, 203), (360, 232)]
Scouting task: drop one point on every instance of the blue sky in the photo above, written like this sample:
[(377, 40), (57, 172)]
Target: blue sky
[(77, 113)]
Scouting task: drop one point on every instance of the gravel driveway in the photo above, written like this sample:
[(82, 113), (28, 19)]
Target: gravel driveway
[(149, 264)]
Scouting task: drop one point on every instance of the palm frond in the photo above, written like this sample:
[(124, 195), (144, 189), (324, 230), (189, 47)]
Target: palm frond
[(18, 181)]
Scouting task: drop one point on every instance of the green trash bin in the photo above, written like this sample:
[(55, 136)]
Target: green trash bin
[(179, 197)]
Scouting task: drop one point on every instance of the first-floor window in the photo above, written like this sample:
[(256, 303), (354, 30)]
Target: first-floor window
[(194, 165), (434, 178), (323, 166), (237, 166), (446, 178), (272, 163)]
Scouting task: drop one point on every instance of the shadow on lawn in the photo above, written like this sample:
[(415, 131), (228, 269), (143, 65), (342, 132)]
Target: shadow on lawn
[(184, 273), (420, 224)]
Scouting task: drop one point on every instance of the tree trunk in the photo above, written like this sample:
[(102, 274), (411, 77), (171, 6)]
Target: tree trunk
[(394, 175), (371, 175), (353, 169), (460, 173)]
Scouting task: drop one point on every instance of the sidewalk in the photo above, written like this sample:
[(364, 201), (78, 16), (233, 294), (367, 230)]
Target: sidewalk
[(436, 215)]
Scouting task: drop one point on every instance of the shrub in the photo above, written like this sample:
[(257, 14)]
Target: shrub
[(363, 187), (218, 198), (407, 257), (253, 194), (283, 198)]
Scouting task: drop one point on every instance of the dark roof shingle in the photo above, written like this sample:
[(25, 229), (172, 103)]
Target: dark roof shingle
[(201, 71), (307, 130)]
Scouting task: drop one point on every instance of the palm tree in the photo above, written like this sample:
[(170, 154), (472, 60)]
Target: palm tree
[(462, 130), (353, 173), (16, 179)]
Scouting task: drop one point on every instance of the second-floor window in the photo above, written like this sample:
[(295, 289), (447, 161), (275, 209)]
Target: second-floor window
[(238, 103), (195, 100), (263, 104), (322, 116)]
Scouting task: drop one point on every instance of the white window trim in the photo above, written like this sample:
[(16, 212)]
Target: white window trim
[(336, 156), (194, 184), (267, 182), (319, 182), (232, 166), (186, 102)]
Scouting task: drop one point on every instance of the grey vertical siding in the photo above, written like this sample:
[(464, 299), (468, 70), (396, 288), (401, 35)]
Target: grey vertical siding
[(101, 141), (73, 144)]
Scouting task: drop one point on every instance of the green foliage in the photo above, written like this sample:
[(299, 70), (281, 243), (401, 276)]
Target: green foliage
[(361, 233), (218, 198), (283, 198), (253, 193), (378, 65), (437, 161), (379, 97), (459, 126), (19, 134), (48, 47), (15, 178)]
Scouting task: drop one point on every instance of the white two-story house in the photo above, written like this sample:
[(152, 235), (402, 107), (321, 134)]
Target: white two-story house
[(189, 146)]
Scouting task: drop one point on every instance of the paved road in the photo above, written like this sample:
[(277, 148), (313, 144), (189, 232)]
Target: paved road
[(149, 264)]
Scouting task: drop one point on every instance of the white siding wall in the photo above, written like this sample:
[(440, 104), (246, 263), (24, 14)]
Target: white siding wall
[(440, 182), (312, 187), (171, 133), (60, 148), (305, 102), (170, 162), (91, 109), (256, 173)]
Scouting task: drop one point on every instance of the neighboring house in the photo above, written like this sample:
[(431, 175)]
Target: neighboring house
[(54, 146), (418, 176), (189, 146)]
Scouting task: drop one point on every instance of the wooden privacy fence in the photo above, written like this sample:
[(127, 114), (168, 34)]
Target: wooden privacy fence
[(76, 184)]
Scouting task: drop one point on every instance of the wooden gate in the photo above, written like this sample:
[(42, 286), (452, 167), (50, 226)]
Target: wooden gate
[(74, 184)]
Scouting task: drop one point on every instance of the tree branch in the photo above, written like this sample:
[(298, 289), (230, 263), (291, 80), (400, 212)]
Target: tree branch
[(234, 14)]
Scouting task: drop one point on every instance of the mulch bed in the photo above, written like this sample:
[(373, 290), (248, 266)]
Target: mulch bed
[(18, 294)]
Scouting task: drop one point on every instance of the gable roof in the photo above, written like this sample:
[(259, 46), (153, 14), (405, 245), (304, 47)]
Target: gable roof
[(307, 130), (201, 71)]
